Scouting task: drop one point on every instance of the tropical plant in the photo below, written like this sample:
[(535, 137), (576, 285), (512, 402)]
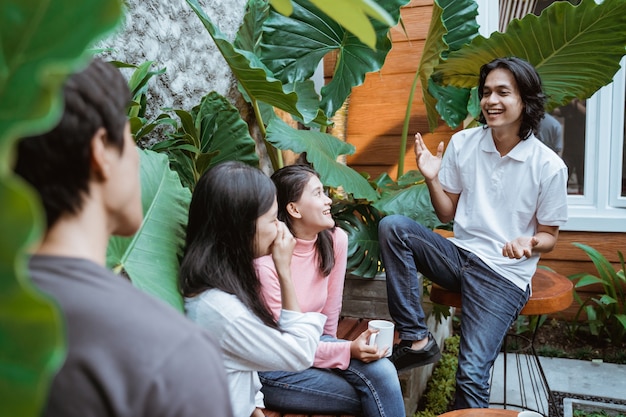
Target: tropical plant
[(576, 50), (150, 257), (606, 314), (37, 54), (273, 57), (140, 127), (589, 35), (211, 132), (352, 14)]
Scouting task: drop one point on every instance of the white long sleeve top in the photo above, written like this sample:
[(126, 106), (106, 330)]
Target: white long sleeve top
[(249, 346)]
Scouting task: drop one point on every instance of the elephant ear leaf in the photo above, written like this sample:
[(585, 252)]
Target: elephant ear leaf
[(224, 133), (150, 257), (293, 46), (351, 14), (575, 49), (453, 25), (322, 151)]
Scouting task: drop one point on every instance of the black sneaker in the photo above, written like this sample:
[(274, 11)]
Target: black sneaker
[(405, 358)]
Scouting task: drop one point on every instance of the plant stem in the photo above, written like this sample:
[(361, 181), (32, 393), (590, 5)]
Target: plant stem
[(276, 157), (405, 127)]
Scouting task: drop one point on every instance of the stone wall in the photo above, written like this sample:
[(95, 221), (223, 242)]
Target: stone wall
[(170, 34)]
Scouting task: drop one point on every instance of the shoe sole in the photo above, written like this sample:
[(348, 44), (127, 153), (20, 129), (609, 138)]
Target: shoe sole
[(428, 361)]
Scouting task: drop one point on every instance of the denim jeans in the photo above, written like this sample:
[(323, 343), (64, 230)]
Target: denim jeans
[(363, 389), (490, 302)]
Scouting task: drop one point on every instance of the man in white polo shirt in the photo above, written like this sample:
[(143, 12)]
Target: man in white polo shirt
[(507, 195)]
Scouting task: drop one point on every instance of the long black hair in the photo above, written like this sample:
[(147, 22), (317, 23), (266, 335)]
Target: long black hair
[(220, 242), (529, 87), (290, 182)]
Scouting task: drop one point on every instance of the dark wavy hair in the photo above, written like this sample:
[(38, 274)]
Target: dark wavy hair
[(219, 250), (290, 182), (57, 163), (529, 87)]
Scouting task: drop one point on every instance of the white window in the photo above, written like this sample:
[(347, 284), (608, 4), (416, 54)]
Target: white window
[(594, 137)]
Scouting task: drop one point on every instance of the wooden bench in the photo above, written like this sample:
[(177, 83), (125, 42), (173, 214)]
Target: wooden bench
[(349, 328)]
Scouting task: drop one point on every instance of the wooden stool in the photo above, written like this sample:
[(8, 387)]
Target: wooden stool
[(551, 293), (480, 412)]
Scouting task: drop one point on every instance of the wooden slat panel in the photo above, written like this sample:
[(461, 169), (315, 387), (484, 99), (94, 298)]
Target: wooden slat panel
[(416, 22), (386, 148), (606, 243), (404, 57)]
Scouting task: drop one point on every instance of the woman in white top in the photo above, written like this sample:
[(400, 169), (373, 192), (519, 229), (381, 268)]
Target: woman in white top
[(232, 221)]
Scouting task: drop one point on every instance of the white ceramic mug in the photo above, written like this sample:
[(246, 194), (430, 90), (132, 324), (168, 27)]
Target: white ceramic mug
[(529, 414), (384, 338)]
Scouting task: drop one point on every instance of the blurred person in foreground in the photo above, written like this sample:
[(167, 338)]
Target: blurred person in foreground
[(129, 354)]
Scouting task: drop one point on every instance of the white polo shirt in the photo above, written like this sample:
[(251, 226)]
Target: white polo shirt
[(503, 198)]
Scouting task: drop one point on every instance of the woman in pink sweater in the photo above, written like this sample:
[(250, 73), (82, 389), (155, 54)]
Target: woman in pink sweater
[(347, 377)]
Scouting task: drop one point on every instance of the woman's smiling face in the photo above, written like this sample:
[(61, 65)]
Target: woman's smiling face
[(314, 207)]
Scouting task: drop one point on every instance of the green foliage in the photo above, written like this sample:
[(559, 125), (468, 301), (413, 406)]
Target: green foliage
[(551, 352), (38, 52), (526, 324), (442, 384), (150, 256), (322, 150), (274, 57), (606, 314), (211, 133), (138, 84), (359, 218), (360, 221), (575, 49), (453, 26), (351, 14), (293, 46)]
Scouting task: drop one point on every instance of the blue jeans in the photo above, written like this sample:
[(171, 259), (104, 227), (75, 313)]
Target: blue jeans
[(367, 389), (490, 302)]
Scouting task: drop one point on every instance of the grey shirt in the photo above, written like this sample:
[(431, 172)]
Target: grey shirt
[(129, 354)]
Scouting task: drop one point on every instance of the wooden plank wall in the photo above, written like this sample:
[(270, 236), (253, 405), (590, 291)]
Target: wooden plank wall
[(376, 109), (375, 115)]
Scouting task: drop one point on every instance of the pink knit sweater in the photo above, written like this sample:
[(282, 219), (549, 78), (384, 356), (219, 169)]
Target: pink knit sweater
[(315, 293)]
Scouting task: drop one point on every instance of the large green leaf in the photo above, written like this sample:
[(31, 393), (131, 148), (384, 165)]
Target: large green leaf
[(249, 34), (254, 79), (37, 51), (360, 221), (248, 42), (452, 25), (351, 14), (31, 338), (575, 49), (322, 151), (293, 46), (150, 257), (223, 132), (409, 197)]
